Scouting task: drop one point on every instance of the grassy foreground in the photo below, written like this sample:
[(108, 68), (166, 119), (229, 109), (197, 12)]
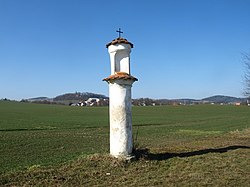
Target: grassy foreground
[(47, 145)]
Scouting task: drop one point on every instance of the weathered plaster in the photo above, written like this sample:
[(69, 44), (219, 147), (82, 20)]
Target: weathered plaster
[(120, 82), (120, 118)]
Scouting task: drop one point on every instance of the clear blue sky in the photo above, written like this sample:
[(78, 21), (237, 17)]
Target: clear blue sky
[(182, 48)]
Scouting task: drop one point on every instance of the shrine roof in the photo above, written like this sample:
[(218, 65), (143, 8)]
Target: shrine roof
[(119, 41), (120, 75)]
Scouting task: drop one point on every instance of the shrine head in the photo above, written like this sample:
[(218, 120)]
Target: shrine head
[(119, 50)]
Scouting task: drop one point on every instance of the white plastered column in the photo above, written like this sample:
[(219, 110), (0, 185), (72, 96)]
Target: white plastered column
[(121, 142), (120, 83)]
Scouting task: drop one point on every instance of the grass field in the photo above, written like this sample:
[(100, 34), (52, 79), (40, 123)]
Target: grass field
[(50, 145)]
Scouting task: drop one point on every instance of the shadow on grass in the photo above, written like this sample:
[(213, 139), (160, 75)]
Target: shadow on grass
[(145, 153)]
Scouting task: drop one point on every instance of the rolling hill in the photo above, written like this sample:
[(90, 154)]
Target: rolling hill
[(83, 96)]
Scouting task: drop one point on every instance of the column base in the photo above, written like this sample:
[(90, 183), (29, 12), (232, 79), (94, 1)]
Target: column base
[(127, 158)]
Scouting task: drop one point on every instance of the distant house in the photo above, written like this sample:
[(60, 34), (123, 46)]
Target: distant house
[(92, 102), (82, 103)]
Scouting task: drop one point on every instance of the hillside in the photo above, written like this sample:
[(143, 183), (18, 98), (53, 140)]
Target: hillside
[(39, 99), (217, 99), (224, 99), (79, 96)]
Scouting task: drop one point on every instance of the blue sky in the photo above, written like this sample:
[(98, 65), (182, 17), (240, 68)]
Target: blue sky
[(182, 48)]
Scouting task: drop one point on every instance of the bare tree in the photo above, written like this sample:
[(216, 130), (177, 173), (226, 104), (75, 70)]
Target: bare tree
[(246, 61)]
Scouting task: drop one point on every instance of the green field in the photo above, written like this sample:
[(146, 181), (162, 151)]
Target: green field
[(176, 145)]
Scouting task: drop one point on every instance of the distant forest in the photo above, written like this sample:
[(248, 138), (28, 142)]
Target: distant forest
[(79, 96), (84, 96)]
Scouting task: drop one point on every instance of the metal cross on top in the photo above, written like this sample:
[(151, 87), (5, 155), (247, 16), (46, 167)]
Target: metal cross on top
[(119, 31)]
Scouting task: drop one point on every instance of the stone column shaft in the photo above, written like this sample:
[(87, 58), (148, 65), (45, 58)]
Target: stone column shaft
[(121, 144)]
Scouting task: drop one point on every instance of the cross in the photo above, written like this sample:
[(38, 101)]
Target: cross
[(119, 31)]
